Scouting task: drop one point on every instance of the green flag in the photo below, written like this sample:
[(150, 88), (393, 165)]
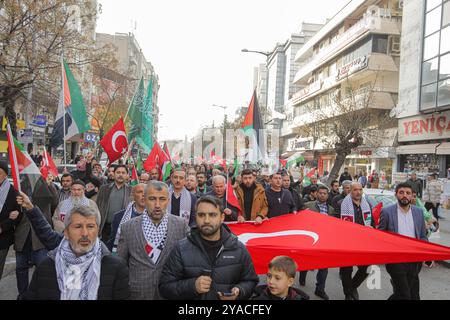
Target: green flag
[(145, 139), (236, 167), (139, 164), (135, 112)]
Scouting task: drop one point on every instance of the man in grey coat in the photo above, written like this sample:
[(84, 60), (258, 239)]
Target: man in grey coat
[(146, 242), (113, 198), (407, 220)]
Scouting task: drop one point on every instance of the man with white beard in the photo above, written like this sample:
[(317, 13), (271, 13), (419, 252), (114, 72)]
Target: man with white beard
[(77, 199)]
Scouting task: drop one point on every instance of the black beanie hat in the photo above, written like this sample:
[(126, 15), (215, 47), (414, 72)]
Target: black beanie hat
[(4, 167)]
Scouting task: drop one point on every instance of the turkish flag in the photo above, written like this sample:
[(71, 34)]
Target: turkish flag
[(48, 166), (115, 142), (231, 197), (316, 241)]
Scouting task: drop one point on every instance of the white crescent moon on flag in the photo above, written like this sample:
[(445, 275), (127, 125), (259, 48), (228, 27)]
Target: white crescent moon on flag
[(246, 237), (115, 137)]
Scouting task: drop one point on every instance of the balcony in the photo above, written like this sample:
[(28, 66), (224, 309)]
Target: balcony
[(382, 98), (368, 24), (355, 70)]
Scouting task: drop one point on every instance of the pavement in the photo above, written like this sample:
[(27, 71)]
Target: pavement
[(443, 236), (435, 282)]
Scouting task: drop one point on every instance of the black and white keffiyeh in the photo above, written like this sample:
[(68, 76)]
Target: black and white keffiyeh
[(78, 277), (154, 235), (185, 204), (4, 190), (126, 217), (72, 202)]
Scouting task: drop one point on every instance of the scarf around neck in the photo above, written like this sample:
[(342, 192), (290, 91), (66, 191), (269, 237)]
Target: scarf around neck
[(78, 277), (155, 236), (348, 210), (185, 204)]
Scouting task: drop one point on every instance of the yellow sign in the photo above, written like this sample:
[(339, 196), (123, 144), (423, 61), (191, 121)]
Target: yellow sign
[(21, 124), (4, 123), (3, 146)]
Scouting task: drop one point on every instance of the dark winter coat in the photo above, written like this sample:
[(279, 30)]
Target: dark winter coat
[(233, 267)]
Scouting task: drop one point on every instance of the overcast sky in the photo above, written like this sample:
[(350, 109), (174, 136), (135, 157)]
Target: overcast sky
[(195, 47)]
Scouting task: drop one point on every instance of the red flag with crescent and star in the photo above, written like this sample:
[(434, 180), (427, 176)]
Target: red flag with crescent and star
[(115, 142), (316, 241)]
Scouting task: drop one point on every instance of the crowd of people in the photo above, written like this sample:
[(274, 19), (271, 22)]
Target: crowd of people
[(95, 236)]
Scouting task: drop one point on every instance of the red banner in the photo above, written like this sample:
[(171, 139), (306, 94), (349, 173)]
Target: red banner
[(316, 241)]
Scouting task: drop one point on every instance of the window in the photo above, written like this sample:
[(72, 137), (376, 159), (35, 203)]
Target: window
[(379, 43), (446, 14), (433, 4), (445, 39), (429, 71), (433, 21), (444, 93), (428, 97), (435, 80)]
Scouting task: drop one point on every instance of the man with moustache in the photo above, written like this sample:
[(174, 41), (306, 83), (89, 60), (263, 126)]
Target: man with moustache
[(211, 263), (181, 201), (81, 268), (146, 241)]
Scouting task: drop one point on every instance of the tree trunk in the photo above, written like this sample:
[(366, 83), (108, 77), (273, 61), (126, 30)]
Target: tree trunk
[(340, 160), (10, 114)]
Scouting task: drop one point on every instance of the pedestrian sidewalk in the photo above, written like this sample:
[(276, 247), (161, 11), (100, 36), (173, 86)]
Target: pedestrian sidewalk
[(443, 236)]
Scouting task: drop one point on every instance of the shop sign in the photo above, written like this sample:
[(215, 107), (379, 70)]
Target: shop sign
[(366, 153), (40, 120), (299, 144), (25, 136), (352, 67), (427, 127)]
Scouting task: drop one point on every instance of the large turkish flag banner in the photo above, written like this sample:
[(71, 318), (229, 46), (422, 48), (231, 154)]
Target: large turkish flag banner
[(316, 241)]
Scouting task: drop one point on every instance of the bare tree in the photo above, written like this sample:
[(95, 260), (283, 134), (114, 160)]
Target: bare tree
[(33, 36), (349, 121)]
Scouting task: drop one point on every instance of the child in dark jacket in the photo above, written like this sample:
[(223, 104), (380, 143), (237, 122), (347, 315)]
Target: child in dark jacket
[(280, 281)]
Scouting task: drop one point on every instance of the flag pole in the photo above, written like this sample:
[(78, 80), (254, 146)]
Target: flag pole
[(64, 109)]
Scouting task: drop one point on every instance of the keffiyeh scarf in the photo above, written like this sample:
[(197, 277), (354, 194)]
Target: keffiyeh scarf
[(185, 204), (126, 217), (348, 210), (155, 236), (4, 190), (78, 277)]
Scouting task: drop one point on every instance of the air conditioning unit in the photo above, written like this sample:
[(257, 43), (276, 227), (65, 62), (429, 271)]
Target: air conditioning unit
[(395, 45)]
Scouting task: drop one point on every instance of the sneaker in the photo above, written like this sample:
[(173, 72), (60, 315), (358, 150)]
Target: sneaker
[(321, 294)]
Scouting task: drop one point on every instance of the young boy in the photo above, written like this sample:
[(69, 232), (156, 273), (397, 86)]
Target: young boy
[(280, 279)]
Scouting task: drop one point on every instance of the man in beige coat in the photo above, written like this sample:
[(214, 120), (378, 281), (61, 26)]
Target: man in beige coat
[(76, 199)]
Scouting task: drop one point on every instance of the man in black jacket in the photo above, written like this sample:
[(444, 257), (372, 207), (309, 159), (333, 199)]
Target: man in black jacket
[(337, 200), (9, 214), (279, 199), (81, 268), (345, 176), (210, 263), (298, 201)]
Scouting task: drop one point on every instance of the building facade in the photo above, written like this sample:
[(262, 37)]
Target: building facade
[(132, 66), (356, 52), (424, 93)]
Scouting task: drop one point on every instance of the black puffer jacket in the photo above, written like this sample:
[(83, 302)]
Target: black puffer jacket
[(263, 293), (113, 280), (233, 267)]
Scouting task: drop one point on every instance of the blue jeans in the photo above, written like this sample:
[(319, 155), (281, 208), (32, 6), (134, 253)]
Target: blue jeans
[(24, 260), (321, 278)]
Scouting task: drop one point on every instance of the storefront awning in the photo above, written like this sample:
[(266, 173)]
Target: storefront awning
[(443, 149), (418, 149)]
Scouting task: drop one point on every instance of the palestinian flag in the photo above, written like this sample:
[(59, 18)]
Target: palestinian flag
[(294, 160), (71, 114), (253, 122), (307, 178), (21, 164), (134, 177)]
